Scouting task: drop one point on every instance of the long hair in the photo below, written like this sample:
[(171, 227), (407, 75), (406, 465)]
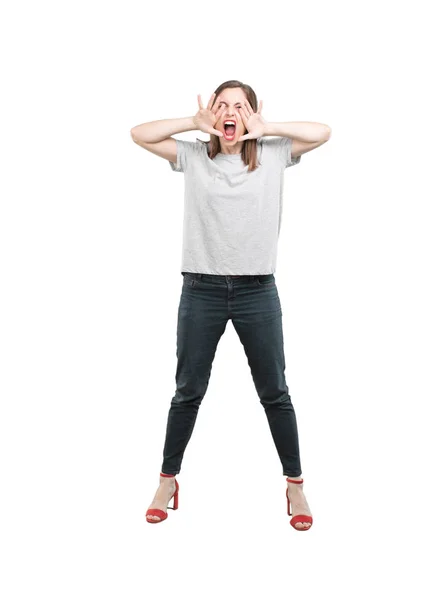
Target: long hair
[(249, 147)]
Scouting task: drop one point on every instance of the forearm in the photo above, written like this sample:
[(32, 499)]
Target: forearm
[(303, 131), (156, 131)]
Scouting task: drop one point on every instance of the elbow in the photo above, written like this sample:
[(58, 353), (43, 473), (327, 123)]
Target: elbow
[(323, 133)]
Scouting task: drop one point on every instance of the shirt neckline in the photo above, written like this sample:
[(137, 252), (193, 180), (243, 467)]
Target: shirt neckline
[(228, 156)]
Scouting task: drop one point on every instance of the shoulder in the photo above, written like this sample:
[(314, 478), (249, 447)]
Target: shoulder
[(274, 145), (196, 148), (201, 146), (188, 154), (281, 147), (190, 146), (273, 142)]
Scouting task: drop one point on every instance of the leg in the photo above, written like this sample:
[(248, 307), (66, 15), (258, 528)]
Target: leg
[(258, 322), (202, 320)]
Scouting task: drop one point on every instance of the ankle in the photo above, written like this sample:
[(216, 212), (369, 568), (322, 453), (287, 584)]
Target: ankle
[(295, 481), (166, 480)]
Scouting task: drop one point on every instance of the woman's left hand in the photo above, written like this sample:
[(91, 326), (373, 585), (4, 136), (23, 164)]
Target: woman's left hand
[(254, 122)]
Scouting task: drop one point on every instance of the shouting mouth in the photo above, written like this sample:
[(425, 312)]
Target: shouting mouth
[(229, 129)]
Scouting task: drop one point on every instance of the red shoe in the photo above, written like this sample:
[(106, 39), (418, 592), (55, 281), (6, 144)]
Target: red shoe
[(157, 512), (298, 518)]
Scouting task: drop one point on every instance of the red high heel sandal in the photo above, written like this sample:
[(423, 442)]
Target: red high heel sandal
[(298, 518), (157, 512)]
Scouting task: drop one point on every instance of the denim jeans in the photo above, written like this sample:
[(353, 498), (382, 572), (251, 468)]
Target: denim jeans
[(252, 303)]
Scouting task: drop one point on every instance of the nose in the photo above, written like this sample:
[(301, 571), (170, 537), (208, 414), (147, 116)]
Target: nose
[(230, 113)]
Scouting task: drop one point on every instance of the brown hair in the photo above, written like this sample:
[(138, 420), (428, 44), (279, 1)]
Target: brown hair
[(249, 147)]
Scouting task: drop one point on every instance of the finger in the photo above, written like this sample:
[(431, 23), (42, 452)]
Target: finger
[(200, 105), (216, 105), (214, 108), (243, 114), (245, 137), (219, 112), (248, 108), (211, 101), (260, 107), (216, 132)]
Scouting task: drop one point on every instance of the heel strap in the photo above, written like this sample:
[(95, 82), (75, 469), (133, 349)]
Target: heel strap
[(295, 480), (164, 475)]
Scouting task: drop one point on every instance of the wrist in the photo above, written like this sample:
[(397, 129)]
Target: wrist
[(191, 124), (270, 129)]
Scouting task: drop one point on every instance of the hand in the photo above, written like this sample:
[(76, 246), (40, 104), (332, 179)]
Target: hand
[(206, 118), (254, 122)]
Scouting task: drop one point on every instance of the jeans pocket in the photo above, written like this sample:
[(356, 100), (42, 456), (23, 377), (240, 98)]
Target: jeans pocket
[(188, 279), (265, 280)]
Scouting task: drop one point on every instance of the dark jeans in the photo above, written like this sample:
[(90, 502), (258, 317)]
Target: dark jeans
[(251, 301)]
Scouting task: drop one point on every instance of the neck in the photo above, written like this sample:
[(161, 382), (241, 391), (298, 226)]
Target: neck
[(232, 150)]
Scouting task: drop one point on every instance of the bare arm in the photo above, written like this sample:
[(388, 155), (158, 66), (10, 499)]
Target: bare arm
[(304, 131), (156, 131)]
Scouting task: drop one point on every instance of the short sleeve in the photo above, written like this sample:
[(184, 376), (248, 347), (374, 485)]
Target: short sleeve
[(185, 153), (282, 148)]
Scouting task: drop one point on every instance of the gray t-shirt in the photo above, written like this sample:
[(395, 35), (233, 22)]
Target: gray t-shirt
[(232, 217)]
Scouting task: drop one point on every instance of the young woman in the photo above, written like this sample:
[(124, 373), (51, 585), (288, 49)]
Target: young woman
[(233, 208)]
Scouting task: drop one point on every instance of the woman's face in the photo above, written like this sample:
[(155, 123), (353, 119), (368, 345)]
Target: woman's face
[(231, 99)]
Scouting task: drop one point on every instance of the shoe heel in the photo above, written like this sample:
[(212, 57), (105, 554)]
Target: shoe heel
[(288, 504), (176, 498)]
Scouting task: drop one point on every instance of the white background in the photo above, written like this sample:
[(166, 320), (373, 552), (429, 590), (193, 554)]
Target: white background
[(91, 234)]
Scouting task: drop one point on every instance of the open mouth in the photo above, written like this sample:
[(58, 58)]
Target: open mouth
[(229, 130)]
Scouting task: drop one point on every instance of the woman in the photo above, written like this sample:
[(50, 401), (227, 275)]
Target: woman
[(233, 207)]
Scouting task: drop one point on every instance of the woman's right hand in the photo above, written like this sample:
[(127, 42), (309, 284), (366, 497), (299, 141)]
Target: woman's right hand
[(206, 118)]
